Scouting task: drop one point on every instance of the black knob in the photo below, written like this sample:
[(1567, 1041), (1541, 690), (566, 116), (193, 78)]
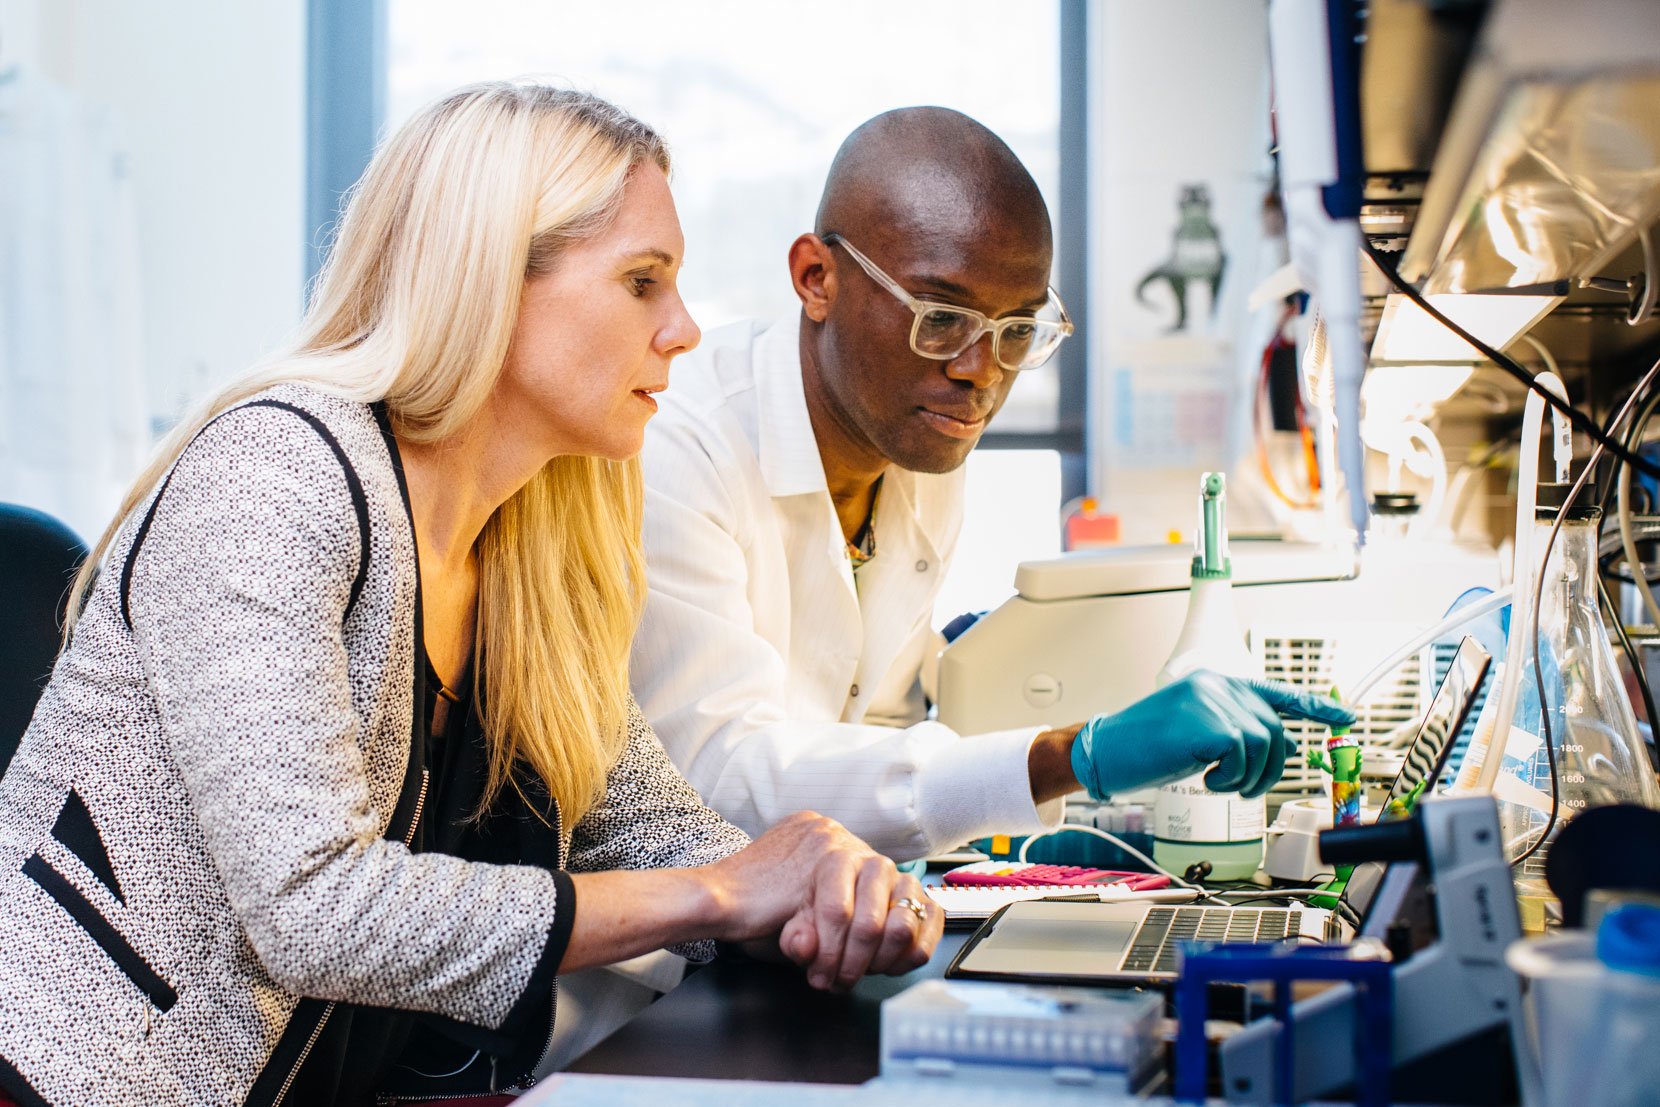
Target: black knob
[(1397, 840)]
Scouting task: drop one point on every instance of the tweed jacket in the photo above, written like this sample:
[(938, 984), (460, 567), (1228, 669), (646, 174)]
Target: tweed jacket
[(203, 834)]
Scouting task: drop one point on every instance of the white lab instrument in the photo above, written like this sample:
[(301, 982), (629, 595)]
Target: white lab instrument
[(1087, 632), (1292, 843), (1190, 822)]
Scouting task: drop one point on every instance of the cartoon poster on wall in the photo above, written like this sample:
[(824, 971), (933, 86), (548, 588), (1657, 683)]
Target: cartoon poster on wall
[(1196, 262), (1176, 233)]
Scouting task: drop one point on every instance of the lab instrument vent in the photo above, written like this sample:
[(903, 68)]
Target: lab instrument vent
[(1311, 661)]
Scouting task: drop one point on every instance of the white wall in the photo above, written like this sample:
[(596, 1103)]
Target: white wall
[(209, 100)]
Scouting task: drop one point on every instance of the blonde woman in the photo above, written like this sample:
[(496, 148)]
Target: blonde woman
[(338, 769)]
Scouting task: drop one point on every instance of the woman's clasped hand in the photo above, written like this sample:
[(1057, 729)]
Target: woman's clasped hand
[(826, 901)]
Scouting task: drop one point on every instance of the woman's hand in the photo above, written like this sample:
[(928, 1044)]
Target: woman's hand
[(832, 904)]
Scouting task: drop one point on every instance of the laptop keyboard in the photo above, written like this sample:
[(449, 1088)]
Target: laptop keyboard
[(1164, 929)]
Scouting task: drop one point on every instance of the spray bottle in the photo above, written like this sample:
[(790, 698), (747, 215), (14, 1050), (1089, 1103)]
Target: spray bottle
[(1190, 822)]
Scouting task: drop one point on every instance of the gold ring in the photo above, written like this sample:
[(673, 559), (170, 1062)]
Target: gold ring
[(911, 905)]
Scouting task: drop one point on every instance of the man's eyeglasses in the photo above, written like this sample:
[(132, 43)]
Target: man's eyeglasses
[(944, 331)]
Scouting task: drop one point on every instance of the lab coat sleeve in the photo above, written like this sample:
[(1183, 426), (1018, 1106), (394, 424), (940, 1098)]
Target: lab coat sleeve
[(718, 692)]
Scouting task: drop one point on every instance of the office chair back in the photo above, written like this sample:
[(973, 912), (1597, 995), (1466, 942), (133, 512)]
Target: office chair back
[(38, 559)]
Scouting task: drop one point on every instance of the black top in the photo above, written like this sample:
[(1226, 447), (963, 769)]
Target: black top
[(360, 1050), (364, 1050)]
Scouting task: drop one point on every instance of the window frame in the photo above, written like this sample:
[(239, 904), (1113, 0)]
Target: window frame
[(1070, 438), (346, 47), (346, 93)]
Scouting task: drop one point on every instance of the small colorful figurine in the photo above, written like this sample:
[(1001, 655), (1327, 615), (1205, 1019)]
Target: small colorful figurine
[(1342, 761)]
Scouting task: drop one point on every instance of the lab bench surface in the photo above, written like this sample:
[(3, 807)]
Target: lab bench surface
[(750, 1021)]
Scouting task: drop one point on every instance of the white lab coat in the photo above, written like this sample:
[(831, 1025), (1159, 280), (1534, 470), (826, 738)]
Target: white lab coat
[(776, 684)]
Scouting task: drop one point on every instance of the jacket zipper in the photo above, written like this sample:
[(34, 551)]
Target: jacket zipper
[(442, 1097), (316, 1031), (420, 804), (553, 1003), (547, 1046)]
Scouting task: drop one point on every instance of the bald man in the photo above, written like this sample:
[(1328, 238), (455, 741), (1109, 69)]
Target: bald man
[(804, 491)]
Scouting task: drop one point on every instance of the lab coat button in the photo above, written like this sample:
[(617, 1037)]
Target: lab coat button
[(922, 566), (854, 691)]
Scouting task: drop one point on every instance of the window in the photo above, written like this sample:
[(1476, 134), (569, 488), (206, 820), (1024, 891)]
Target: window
[(754, 97), (754, 101)]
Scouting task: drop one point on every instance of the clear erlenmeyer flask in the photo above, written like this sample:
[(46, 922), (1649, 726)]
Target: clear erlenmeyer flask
[(1600, 756)]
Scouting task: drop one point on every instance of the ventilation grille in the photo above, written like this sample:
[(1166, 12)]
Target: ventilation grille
[(1309, 661)]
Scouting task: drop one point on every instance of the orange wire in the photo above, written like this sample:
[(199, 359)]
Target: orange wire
[(1259, 401)]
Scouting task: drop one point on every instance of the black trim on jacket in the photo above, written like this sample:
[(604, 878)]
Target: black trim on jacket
[(433, 1056), (353, 484), (19, 1089), (131, 963)]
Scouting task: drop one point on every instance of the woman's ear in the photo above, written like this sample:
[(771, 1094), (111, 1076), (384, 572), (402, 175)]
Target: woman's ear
[(813, 272)]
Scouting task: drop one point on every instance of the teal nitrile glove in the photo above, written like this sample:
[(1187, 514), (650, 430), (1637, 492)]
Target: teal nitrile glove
[(1203, 719)]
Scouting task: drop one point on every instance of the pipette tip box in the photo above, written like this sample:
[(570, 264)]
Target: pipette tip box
[(1019, 1034)]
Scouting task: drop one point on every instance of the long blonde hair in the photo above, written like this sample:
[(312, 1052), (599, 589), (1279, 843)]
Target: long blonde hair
[(416, 306)]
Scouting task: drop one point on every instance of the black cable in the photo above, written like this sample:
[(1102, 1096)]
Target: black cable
[(1286, 896), (1218, 890), (1633, 442), (1209, 896), (1539, 672), (1633, 438), (1631, 656), (1605, 500), (1268, 896), (1538, 597), (1623, 578), (1578, 418)]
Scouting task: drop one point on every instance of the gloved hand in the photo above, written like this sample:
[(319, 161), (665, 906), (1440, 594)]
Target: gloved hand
[(1203, 719)]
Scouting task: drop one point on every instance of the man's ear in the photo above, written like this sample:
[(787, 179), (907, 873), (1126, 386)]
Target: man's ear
[(813, 272)]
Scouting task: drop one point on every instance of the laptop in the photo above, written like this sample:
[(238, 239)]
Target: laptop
[(1057, 942)]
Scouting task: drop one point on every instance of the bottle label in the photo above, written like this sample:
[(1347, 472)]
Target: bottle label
[(1187, 811)]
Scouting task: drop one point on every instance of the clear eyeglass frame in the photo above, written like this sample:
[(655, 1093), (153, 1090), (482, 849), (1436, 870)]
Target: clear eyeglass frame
[(943, 331)]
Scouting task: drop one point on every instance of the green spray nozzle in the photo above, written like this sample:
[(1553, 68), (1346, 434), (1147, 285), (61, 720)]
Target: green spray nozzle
[(1339, 729), (1211, 559)]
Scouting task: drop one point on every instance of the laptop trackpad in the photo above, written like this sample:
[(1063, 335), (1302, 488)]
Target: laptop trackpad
[(1056, 939)]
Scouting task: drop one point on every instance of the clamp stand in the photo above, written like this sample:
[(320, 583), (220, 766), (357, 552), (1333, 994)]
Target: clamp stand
[(1207, 962), (1452, 989)]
